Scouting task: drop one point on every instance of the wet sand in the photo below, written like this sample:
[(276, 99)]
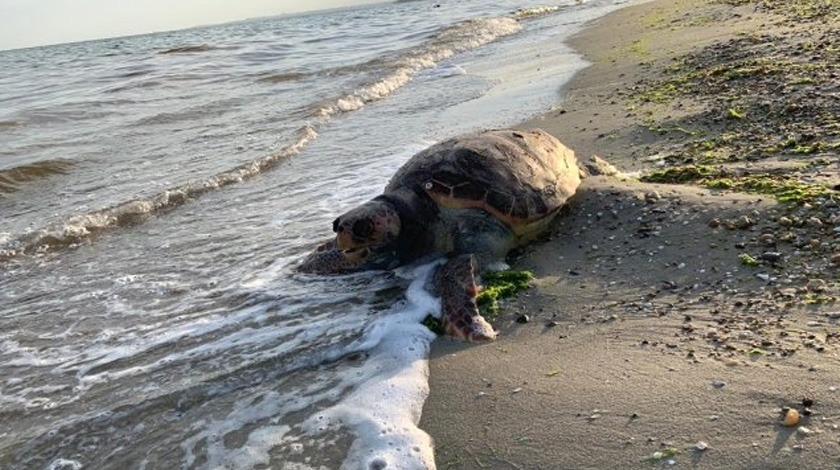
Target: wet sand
[(671, 324)]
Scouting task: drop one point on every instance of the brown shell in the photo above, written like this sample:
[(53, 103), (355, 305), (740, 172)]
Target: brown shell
[(520, 177)]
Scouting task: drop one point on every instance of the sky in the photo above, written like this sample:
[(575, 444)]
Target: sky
[(25, 23)]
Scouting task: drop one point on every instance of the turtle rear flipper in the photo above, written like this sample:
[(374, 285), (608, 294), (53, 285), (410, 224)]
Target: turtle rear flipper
[(455, 283)]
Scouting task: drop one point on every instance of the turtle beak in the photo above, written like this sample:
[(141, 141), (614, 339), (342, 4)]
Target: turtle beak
[(365, 258), (356, 255)]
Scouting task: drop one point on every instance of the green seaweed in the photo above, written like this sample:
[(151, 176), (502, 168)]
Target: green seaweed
[(497, 285), (795, 9), (747, 259), (812, 298), (434, 325), (501, 285), (665, 453), (735, 113), (681, 174), (784, 188)]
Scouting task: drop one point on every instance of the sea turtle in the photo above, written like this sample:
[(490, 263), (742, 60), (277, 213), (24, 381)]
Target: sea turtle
[(471, 198)]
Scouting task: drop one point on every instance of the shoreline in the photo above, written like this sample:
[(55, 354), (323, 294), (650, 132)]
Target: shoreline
[(652, 341)]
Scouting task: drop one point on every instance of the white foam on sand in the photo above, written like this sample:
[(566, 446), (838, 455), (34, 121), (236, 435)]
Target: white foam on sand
[(383, 411)]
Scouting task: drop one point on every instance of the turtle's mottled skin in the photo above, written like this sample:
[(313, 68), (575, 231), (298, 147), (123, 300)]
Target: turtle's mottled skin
[(471, 198)]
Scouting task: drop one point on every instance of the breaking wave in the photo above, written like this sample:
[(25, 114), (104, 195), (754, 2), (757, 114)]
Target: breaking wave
[(400, 70), (77, 229), (535, 12)]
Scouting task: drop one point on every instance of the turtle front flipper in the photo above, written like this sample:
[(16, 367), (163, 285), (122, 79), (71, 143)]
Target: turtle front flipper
[(455, 283)]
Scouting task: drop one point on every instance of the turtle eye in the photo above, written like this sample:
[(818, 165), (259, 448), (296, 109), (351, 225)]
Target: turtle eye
[(335, 225), (362, 229)]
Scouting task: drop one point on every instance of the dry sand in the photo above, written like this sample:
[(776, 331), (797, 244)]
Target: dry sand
[(650, 344)]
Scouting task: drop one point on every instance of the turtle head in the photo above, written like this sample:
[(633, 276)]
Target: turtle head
[(363, 241), (328, 259), (373, 225)]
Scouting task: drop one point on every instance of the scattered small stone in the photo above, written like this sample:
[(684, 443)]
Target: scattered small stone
[(744, 222), (718, 383), (771, 256), (523, 319), (714, 223), (516, 390), (807, 402), (835, 259), (701, 446), (803, 431), (815, 222), (551, 324), (816, 285), (768, 239)]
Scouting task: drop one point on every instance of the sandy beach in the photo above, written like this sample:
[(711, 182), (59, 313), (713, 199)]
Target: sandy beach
[(674, 325)]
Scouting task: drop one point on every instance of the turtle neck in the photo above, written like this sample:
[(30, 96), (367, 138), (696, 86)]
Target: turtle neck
[(417, 212)]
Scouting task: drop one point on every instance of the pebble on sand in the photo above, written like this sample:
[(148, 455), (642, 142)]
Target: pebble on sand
[(791, 418)]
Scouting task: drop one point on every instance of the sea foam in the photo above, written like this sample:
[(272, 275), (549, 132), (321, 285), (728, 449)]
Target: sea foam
[(383, 411)]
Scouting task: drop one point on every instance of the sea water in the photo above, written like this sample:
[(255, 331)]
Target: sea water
[(157, 191)]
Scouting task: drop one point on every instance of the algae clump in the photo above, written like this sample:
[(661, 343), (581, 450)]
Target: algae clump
[(681, 174), (782, 187), (497, 285), (501, 285)]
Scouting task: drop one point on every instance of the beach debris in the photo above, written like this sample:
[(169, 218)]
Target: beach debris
[(553, 373), (652, 196), (791, 417), (701, 446), (598, 166), (666, 453), (516, 390)]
